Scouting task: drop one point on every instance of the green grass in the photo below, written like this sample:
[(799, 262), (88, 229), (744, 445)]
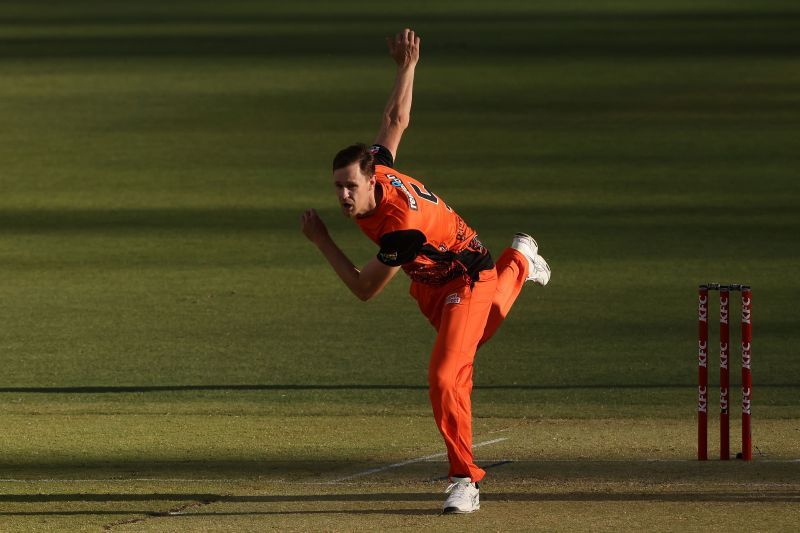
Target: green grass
[(164, 319)]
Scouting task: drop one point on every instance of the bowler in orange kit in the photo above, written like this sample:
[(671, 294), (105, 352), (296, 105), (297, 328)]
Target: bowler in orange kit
[(460, 289)]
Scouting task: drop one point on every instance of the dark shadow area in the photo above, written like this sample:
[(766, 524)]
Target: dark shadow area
[(78, 513), (206, 497), (272, 219), (111, 220), (151, 514), (641, 44), (598, 34), (126, 389), (576, 496), (97, 17), (270, 469)]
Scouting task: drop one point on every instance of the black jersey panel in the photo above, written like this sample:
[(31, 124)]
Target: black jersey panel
[(400, 247)]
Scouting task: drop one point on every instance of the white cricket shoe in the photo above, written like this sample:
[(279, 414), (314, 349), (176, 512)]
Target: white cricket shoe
[(538, 269), (464, 496), (541, 271), (526, 245)]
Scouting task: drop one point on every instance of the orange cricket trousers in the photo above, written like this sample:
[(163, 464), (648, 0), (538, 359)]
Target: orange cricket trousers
[(465, 317)]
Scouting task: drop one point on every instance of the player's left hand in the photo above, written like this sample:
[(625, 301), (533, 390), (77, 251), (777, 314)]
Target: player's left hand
[(313, 227)]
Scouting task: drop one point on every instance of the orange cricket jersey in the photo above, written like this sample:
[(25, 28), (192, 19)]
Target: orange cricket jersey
[(418, 231)]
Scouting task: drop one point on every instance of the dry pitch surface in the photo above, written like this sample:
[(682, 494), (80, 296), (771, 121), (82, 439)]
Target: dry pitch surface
[(546, 474)]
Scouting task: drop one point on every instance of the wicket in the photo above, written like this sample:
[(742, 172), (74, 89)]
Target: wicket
[(724, 382)]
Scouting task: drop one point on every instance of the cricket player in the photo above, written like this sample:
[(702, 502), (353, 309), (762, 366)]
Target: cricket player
[(464, 294)]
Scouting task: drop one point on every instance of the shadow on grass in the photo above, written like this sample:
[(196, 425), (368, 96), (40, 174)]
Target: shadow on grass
[(150, 514), (126, 389), (606, 33), (319, 472), (783, 496), (224, 219), (652, 479)]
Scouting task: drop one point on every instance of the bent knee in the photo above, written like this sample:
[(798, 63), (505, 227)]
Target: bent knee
[(450, 379)]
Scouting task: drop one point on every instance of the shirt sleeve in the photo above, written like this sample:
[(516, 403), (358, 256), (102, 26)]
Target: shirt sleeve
[(400, 247), (382, 155)]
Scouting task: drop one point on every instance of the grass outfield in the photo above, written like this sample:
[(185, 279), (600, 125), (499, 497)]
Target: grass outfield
[(176, 356)]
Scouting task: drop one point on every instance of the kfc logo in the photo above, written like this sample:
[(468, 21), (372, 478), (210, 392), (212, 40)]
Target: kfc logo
[(702, 400)]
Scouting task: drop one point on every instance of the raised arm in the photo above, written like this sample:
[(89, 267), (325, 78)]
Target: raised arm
[(404, 49)]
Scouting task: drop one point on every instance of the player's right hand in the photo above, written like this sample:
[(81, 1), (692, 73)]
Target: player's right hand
[(404, 48), (313, 227)]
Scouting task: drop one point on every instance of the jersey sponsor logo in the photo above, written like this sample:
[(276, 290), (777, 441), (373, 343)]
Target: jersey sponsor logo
[(395, 182), (453, 299)]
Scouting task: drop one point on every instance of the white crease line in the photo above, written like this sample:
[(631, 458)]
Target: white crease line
[(411, 461)]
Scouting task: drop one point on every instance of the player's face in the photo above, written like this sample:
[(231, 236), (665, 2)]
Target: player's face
[(354, 190)]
